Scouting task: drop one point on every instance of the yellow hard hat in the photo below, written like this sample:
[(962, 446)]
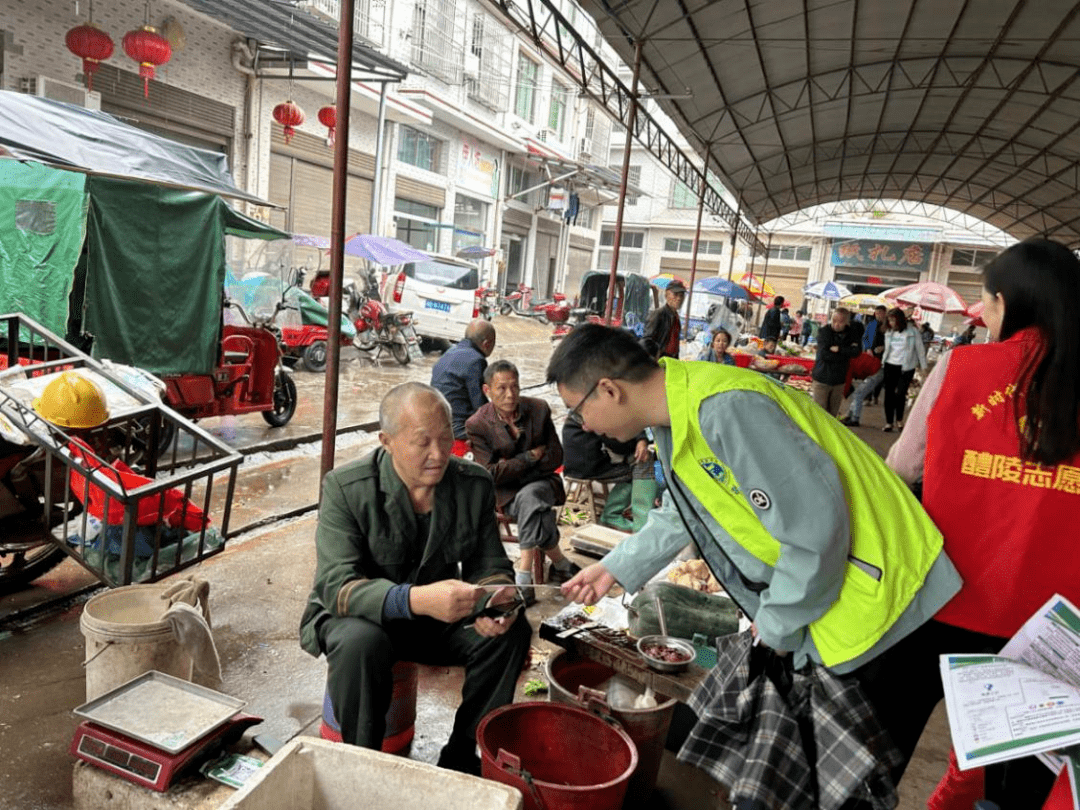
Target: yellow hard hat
[(72, 401)]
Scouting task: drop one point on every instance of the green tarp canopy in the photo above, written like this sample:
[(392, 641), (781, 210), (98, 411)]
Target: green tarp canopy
[(42, 227), (155, 272), (140, 267)]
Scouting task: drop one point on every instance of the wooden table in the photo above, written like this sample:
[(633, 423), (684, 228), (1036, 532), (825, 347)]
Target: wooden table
[(597, 646)]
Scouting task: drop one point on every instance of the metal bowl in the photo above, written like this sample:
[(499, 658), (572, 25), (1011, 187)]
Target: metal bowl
[(667, 641)]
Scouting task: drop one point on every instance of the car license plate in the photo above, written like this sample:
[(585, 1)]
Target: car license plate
[(441, 306)]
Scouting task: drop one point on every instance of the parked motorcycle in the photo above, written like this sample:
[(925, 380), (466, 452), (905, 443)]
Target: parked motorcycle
[(488, 302), (520, 303), (378, 329)]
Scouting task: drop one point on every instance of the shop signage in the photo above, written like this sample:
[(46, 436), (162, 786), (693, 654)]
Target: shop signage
[(881, 255), (477, 168)]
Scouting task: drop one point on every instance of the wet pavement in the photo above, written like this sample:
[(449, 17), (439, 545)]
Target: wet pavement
[(258, 588)]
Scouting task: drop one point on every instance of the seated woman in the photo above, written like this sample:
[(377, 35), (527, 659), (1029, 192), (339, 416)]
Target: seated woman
[(716, 351)]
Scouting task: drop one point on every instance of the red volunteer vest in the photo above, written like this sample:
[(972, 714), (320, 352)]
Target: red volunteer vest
[(1010, 525)]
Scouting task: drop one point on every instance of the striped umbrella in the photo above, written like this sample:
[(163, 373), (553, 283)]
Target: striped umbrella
[(829, 290), (661, 281), (975, 314), (756, 285), (930, 296), (864, 302)]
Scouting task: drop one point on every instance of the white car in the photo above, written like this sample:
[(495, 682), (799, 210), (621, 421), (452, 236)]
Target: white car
[(443, 294)]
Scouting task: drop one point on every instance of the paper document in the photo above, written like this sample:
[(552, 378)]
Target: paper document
[(1025, 700)]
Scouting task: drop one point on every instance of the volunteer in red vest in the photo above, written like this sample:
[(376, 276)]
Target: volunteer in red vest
[(995, 439)]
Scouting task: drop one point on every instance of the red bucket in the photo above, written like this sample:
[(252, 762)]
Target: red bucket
[(560, 757)]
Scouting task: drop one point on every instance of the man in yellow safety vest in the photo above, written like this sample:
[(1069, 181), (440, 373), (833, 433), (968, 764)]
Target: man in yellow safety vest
[(808, 531)]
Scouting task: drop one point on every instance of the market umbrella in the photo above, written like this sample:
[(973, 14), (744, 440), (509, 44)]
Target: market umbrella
[(724, 288), (661, 281), (930, 296), (829, 290), (475, 252), (862, 301), (975, 315), (308, 240), (384, 250), (756, 285)]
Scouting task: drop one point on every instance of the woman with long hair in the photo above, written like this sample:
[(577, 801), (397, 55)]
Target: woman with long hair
[(903, 352), (995, 440)]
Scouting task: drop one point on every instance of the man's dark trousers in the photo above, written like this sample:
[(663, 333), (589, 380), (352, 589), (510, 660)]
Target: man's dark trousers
[(361, 654)]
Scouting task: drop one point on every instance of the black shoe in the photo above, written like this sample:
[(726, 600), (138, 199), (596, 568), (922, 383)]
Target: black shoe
[(454, 759), (887, 429), (528, 595), (847, 420), (558, 577)]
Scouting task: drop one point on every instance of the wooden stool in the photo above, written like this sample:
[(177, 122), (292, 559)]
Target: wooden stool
[(507, 535), (581, 494)]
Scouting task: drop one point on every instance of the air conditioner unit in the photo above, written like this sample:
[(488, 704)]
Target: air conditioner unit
[(585, 148), (68, 92)]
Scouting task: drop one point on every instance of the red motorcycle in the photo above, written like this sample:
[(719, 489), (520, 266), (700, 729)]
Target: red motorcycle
[(521, 303), (377, 328)]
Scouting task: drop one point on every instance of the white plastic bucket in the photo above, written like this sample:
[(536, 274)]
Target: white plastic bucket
[(126, 637)]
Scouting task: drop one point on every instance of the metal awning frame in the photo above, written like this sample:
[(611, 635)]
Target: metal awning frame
[(544, 23)]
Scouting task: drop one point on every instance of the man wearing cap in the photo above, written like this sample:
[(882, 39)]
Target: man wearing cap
[(661, 338)]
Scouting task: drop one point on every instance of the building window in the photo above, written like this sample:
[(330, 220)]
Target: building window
[(630, 239), (629, 261), (557, 112), (790, 253), (525, 94), (970, 257), (711, 246), (633, 178), (487, 64), (420, 149), (682, 196), (470, 222), (521, 179), (416, 224), (434, 40)]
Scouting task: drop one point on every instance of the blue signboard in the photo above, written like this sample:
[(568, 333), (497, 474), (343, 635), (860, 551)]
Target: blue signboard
[(881, 255)]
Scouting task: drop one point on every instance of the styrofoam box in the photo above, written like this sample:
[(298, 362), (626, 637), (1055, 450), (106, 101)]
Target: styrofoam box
[(313, 774)]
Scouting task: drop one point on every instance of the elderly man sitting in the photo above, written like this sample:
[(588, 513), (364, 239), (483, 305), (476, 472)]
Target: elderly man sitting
[(394, 527), (514, 437)]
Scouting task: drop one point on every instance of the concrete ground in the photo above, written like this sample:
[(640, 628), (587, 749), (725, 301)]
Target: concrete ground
[(258, 589)]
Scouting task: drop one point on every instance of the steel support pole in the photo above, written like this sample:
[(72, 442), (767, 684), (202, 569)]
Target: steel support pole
[(734, 238), (380, 136), (613, 278), (765, 271), (697, 241), (337, 236)]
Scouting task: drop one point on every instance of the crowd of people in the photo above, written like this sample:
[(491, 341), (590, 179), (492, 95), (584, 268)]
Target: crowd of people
[(826, 547)]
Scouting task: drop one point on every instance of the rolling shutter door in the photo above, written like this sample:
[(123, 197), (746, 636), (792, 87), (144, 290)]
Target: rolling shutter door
[(409, 189)]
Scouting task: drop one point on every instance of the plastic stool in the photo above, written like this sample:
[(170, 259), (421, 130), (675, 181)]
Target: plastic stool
[(400, 717)]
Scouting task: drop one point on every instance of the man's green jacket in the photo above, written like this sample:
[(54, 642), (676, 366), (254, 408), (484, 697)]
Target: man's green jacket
[(364, 542)]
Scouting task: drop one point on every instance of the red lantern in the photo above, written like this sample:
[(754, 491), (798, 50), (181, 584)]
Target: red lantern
[(328, 118), (149, 49), (90, 43), (289, 116)]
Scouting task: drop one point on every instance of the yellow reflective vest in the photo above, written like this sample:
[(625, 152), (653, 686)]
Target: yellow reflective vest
[(893, 541)]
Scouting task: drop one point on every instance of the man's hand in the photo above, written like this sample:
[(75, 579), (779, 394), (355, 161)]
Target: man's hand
[(488, 626), (448, 600), (641, 452), (589, 585), (537, 452)]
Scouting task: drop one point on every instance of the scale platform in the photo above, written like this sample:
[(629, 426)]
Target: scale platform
[(151, 728)]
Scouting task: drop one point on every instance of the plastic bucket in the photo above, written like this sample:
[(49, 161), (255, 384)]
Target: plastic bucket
[(126, 637), (400, 717), (648, 728), (559, 757)]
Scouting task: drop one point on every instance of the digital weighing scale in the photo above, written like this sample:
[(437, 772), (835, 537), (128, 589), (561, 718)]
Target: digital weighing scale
[(151, 728)]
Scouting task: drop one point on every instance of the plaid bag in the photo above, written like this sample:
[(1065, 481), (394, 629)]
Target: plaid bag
[(780, 739)]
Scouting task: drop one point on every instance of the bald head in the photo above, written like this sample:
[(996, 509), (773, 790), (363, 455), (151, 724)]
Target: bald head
[(406, 398), (482, 334)]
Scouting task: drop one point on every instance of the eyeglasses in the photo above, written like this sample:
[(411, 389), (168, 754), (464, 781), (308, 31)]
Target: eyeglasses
[(575, 412)]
